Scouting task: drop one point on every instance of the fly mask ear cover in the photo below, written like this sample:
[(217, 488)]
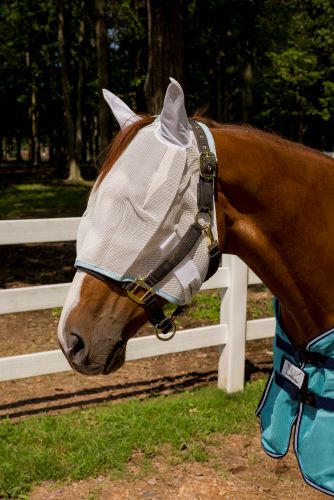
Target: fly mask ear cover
[(140, 211)]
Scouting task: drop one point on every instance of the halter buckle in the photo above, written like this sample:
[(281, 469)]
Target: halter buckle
[(208, 166), (139, 291)]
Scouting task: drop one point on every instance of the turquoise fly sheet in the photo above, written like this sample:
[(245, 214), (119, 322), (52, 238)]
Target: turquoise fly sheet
[(299, 396)]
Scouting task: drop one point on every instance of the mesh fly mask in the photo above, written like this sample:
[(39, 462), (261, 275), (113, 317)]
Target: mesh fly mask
[(150, 225)]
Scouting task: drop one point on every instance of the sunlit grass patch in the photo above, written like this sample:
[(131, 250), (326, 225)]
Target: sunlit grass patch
[(260, 302), (56, 312), (42, 200), (32, 187), (205, 306), (88, 442)]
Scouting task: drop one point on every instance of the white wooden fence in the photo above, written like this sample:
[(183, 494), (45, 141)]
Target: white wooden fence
[(230, 334)]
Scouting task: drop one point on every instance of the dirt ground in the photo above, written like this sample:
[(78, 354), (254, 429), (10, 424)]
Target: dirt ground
[(237, 467), (237, 470)]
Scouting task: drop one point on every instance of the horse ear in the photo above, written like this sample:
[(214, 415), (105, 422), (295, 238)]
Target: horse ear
[(123, 114), (175, 127)]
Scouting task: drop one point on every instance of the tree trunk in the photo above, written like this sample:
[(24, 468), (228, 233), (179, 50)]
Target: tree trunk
[(220, 78), (32, 111), (300, 125), (34, 118), (18, 148), (71, 159), (80, 80), (104, 129), (166, 51), (247, 94)]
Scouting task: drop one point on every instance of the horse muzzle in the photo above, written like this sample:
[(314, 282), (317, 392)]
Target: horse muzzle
[(86, 361)]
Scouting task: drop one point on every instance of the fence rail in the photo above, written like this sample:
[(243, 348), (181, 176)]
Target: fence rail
[(230, 334)]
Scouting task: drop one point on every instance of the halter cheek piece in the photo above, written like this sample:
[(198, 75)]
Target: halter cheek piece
[(141, 290)]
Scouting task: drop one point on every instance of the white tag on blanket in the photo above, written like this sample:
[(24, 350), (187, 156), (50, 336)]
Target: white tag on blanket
[(293, 373)]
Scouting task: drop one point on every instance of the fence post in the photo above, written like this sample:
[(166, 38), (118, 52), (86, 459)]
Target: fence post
[(233, 312)]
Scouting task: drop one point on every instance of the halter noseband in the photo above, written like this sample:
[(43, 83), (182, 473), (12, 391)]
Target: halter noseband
[(142, 289)]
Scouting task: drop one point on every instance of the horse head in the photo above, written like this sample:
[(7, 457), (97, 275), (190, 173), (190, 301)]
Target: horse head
[(138, 212)]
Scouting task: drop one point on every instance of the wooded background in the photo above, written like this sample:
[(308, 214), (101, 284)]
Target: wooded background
[(265, 62)]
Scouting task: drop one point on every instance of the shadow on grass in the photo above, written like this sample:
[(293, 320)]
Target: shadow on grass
[(141, 389), (118, 392)]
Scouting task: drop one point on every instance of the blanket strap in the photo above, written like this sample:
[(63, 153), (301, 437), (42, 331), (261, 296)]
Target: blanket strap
[(304, 356), (303, 395)]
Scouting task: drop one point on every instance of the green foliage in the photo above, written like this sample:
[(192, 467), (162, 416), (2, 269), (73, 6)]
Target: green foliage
[(289, 44), (88, 442), (295, 70)]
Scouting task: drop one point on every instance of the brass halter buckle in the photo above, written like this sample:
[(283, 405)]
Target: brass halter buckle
[(140, 291), (207, 166)]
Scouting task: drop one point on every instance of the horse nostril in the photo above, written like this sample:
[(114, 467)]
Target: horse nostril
[(76, 350)]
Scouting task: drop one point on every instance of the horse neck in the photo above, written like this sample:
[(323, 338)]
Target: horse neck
[(276, 211)]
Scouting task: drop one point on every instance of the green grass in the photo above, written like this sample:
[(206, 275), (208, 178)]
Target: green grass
[(56, 312), (206, 306), (89, 442), (42, 200), (260, 306)]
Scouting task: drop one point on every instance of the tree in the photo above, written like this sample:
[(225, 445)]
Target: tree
[(261, 61), (102, 50), (166, 50), (64, 53), (296, 70)]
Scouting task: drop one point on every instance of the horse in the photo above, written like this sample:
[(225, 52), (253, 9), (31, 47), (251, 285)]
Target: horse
[(273, 208)]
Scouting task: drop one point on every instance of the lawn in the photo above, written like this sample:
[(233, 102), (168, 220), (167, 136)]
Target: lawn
[(24, 201), (89, 442)]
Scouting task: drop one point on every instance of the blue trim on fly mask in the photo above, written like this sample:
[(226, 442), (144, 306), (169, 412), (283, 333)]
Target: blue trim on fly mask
[(109, 274), (300, 394)]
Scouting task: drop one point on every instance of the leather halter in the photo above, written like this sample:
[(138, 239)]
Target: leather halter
[(141, 290)]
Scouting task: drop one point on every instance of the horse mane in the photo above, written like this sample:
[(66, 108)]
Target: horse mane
[(271, 136), (124, 137)]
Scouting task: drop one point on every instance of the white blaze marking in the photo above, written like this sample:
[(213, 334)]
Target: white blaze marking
[(72, 300)]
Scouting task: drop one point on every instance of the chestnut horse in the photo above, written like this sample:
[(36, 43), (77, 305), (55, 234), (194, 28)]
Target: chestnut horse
[(274, 209)]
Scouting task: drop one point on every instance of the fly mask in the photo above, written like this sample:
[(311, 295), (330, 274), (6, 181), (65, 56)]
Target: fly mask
[(141, 212)]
